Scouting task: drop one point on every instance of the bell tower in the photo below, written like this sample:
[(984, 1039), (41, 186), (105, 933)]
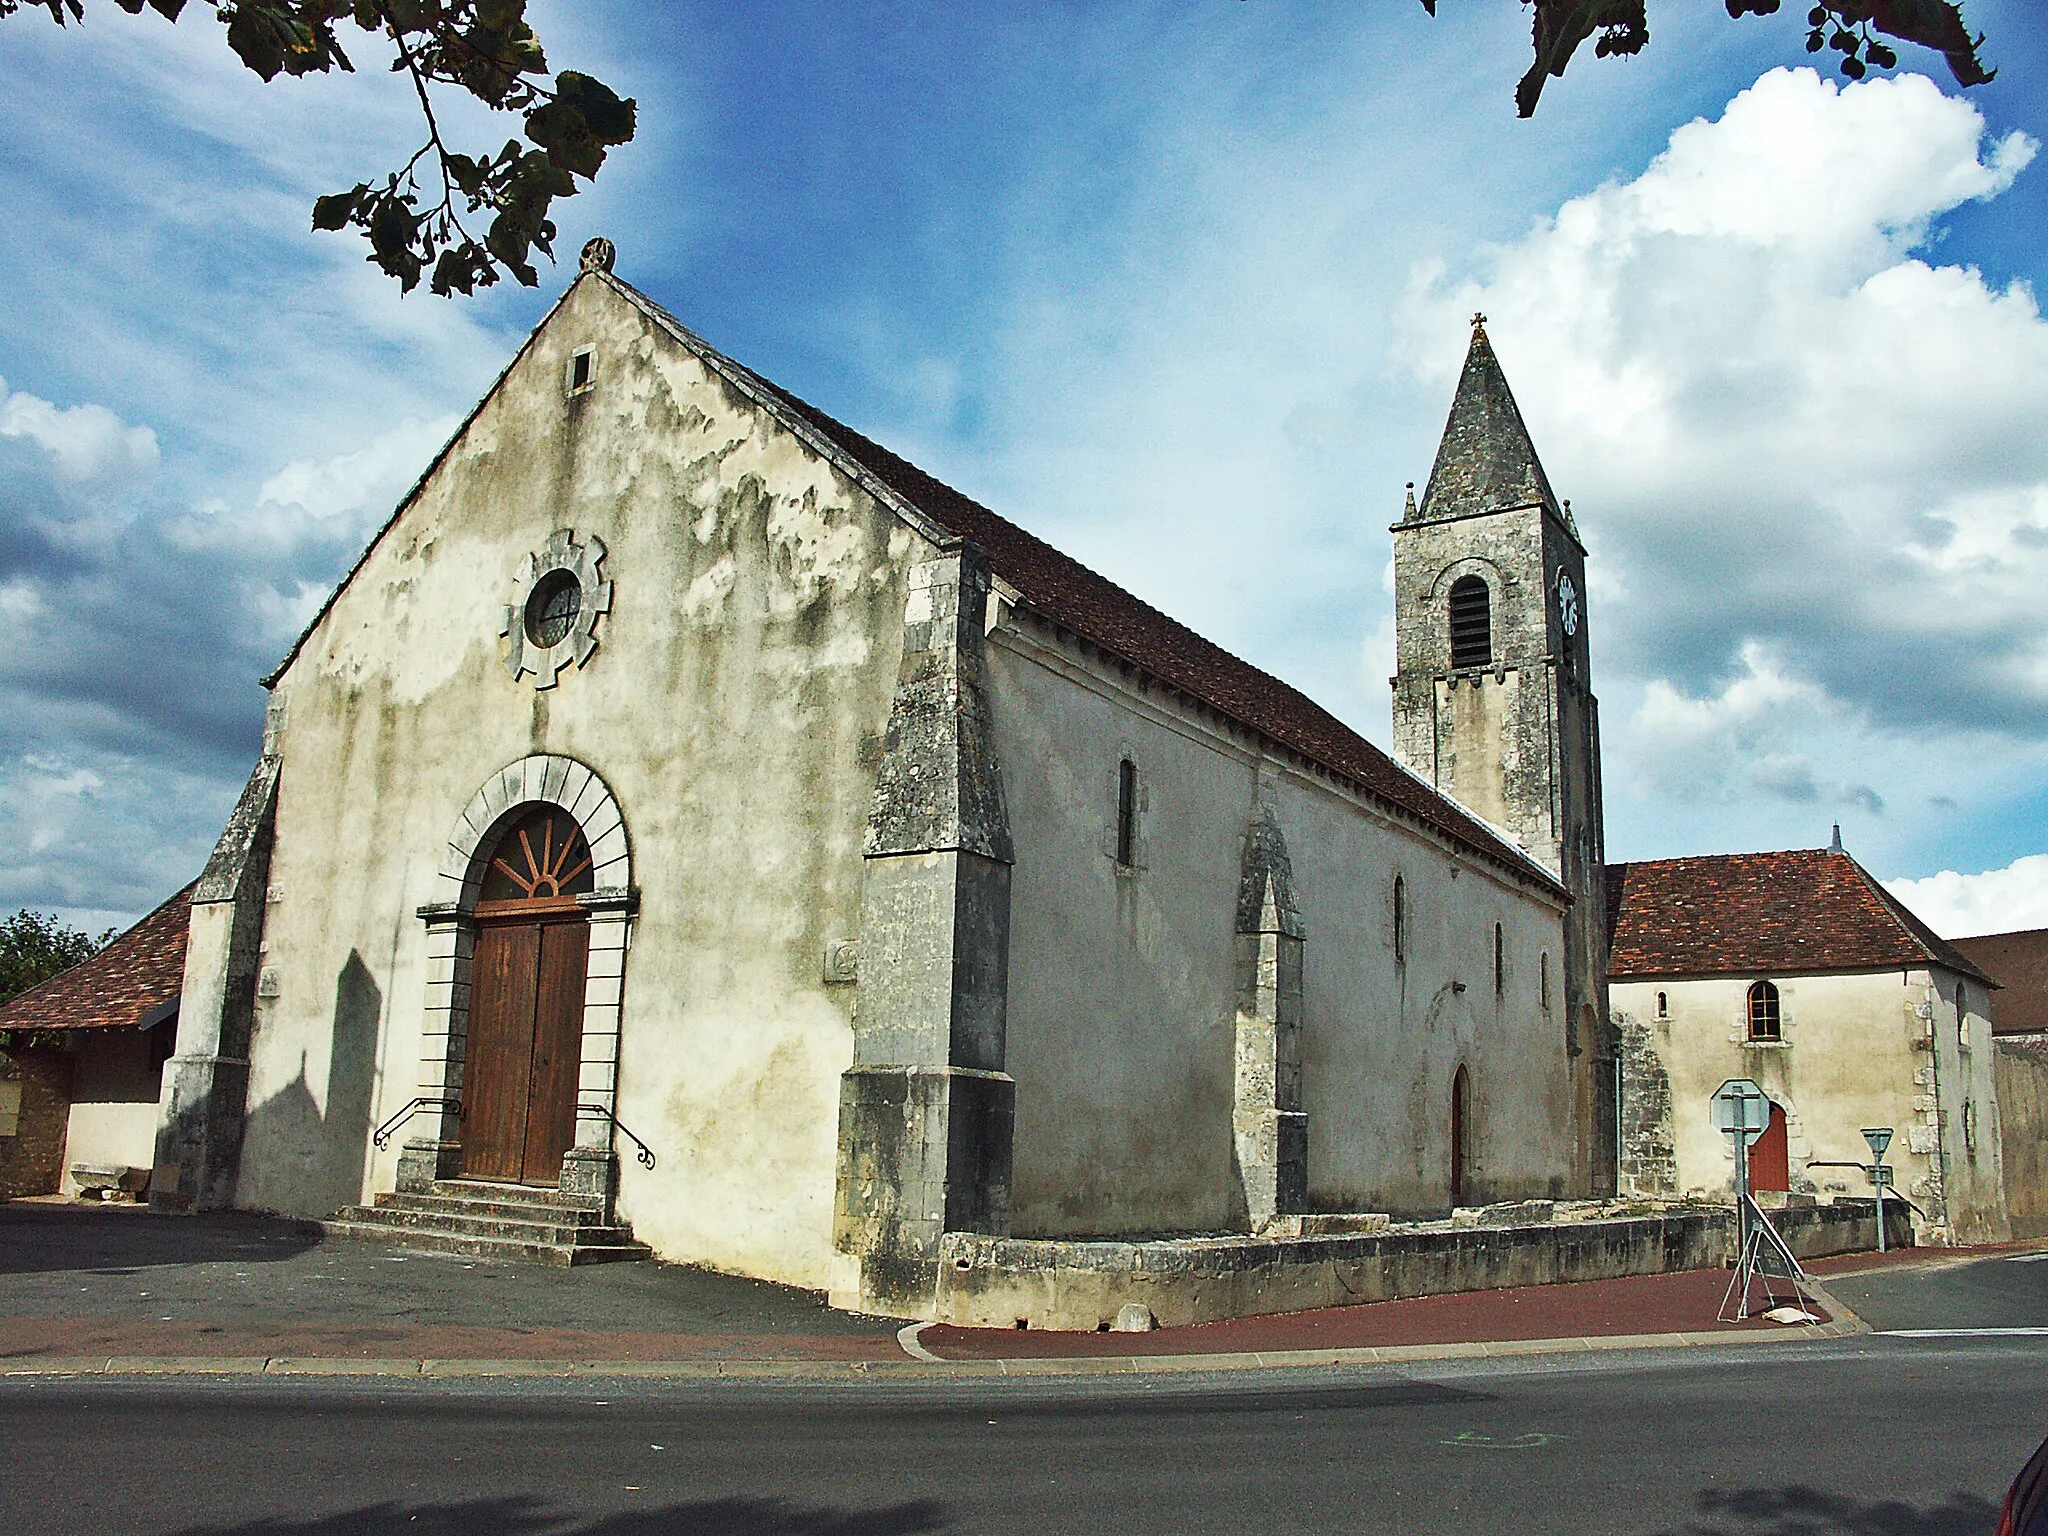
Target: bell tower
[(1493, 698)]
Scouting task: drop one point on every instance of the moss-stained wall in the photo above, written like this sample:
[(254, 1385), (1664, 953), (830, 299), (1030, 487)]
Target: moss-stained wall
[(733, 704)]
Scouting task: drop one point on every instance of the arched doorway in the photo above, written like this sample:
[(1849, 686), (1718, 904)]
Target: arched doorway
[(1461, 1135), (1770, 1161), (526, 999)]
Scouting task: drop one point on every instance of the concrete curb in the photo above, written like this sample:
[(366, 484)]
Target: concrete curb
[(895, 1370)]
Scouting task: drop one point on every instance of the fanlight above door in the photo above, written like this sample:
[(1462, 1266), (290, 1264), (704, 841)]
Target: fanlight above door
[(543, 856)]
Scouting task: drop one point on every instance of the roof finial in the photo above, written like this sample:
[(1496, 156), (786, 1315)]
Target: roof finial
[(1408, 512), (598, 255), (1835, 843), (1478, 322)]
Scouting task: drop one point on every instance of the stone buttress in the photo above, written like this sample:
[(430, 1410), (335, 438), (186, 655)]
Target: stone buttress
[(926, 1110), (206, 1083), (1269, 1128)]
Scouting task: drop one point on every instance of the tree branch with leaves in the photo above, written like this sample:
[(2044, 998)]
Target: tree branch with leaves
[(422, 218), (1855, 29)]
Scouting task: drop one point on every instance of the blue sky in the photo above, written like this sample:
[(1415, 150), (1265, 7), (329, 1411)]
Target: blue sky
[(1179, 286)]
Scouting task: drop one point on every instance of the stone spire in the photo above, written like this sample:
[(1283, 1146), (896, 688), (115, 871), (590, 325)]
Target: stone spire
[(1486, 462)]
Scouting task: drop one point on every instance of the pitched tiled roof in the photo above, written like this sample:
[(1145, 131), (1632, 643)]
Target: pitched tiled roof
[(2018, 962), (117, 988), (1801, 910)]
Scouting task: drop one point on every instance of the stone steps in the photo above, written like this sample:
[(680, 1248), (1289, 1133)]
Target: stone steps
[(492, 1221)]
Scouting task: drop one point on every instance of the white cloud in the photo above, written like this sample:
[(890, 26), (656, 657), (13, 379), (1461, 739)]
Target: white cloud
[(1996, 901), (1808, 462), (89, 444)]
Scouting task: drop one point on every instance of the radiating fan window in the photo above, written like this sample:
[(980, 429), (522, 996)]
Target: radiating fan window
[(541, 855)]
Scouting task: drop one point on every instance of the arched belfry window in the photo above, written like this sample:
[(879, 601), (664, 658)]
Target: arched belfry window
[(540, 856), (1763, 1012), (1471, 623)]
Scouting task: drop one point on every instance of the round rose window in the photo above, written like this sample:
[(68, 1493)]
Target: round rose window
[(552, 607)]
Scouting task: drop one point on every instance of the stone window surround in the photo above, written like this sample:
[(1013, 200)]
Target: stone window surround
[(590, 1165)]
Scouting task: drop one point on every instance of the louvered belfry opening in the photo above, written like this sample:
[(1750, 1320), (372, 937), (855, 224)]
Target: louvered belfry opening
[(1471, 623)]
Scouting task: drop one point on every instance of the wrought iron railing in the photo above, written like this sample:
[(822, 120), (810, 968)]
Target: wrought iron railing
[(381, 1137), (640, 1148)]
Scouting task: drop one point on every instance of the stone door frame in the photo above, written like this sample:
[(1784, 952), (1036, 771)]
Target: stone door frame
[(590, 1167)]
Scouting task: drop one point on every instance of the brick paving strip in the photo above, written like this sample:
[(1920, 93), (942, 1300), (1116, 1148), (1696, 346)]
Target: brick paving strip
[(262, 1300)]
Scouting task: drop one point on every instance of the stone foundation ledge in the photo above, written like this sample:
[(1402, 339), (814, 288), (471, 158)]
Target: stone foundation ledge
[(1004, 1282)]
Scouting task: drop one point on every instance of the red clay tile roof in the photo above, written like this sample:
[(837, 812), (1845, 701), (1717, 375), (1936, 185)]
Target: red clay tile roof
[(118, 987), (1797, 911), (2018, 962)]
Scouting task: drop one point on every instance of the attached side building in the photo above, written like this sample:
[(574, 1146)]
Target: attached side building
[(2019, 963), (79, 1086), (1799, 971)]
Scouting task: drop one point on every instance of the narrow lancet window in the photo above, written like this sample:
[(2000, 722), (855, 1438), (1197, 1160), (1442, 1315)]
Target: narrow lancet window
[(1471, 623), (1126, 812), (1400, 921), (1500, 961)]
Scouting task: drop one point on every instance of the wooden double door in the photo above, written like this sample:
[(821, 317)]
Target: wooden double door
[(525, 1045)]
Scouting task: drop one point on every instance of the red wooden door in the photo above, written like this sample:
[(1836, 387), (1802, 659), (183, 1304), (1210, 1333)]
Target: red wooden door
[(1770, 1164), (524, 1049)]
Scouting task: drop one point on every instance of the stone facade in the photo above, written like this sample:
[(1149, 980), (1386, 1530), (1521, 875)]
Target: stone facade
[(1509, 727), (35, 1113), (934, 886), (2020, 1069)]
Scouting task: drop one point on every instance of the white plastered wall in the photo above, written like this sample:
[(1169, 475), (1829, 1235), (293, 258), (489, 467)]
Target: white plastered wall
[(741, 681), (1864, 1048), (1123, 983)]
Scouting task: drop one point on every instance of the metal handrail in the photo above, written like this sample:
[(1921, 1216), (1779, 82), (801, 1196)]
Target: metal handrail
[(381, 1137), (640, 1148)]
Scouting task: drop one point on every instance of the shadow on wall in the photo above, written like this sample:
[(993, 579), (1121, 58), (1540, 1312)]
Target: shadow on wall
[(313, 1161), (1801, 1511), (522, 1516)]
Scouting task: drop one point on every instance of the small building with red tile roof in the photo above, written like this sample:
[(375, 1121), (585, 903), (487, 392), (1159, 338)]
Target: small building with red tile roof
[(2019, 963), (1797, 970), (90, 1044)]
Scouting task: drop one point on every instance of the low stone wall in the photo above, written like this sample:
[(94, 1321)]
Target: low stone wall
[(999, 1282)]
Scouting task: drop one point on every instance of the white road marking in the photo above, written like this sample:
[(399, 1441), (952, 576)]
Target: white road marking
[(1964, 1333)]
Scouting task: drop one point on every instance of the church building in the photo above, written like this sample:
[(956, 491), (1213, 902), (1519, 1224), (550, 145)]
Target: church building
[(691, 828)]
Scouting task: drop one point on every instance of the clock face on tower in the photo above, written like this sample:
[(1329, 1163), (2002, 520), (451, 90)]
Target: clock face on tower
[(1567, 603)]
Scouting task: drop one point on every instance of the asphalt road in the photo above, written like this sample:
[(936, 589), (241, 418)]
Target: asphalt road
[(2007, 1292), (1876, 1437), (1873, 1436)]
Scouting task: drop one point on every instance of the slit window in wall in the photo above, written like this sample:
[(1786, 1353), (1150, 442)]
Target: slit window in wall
[(1764, 1023), (1962, 1018), (1970, 1126), (1400, 921), (1126, 812), (1471, 623), (1663, 1005), (1543, 979), (1500, 961), (582, 370)]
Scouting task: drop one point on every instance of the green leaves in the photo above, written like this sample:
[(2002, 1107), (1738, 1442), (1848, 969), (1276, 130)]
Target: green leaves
[(413, 223)]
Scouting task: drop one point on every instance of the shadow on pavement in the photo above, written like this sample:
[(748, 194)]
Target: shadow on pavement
[(529, 1517), (1801, 1511), (38, 1238)]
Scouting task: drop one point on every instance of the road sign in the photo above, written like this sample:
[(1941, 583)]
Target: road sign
[(1879, 1137), (1740, 1105)]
